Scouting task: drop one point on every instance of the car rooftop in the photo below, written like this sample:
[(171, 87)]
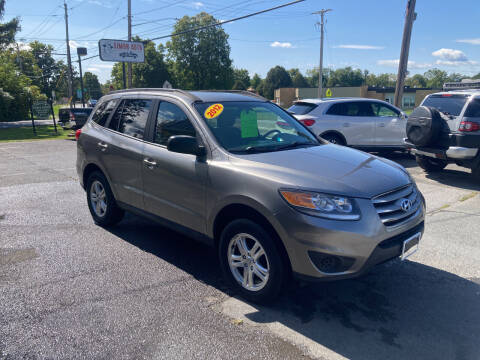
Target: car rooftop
[(326, 100), (199, 95)]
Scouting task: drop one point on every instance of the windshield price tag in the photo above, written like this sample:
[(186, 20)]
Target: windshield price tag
[(213, 111)]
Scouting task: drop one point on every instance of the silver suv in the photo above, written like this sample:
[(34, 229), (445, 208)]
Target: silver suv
[(241, 174)]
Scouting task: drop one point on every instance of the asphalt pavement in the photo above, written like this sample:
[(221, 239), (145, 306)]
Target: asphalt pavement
[(71, 289)]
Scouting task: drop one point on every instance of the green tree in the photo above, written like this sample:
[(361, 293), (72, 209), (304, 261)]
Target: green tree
[(381, 80), (346, 77), (241, 75), (256, 81), (151, 73), (277, 77), (200, 58), (416, 81), (436, 78), (48, 66), (8, 29), (92, 85), (239, 85), (312, 76), (299, 81)]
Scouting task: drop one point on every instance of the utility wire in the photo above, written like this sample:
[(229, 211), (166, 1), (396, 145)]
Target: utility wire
[(228, 21)]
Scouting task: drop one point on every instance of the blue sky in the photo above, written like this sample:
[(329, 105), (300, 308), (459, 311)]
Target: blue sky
[(362, 34)]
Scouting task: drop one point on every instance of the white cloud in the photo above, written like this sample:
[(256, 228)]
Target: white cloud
[(359, 47), (456, 62), (75, 44), (198, 4), (450, 54), (411, 64), (470, 41), (281, 44)]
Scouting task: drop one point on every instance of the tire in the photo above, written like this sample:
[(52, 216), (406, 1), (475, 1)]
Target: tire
[(430, 165), (334, 139), (107, 213), (426, 126), (244, 231)]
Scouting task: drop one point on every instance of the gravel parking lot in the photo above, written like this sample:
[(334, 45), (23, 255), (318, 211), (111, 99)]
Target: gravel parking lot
[(70, 289)]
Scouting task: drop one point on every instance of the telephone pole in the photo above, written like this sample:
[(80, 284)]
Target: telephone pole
[(320, 68), (69, 59), (410, 16), (129, 39)]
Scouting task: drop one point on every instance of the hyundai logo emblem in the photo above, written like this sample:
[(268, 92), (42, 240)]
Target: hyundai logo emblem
[(405, 204)]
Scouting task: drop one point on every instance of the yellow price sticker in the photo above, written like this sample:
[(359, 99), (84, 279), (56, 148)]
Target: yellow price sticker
[(213, 111)]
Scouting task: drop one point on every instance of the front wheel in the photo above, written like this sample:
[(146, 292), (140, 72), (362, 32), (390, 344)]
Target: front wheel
[(429, 164), (251, 262)]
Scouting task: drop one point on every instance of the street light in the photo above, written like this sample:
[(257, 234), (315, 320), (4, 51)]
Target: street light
[(81, 51)]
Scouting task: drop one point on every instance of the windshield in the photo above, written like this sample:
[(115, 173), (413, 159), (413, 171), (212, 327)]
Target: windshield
[(249, 127), (301, 108), (449, 104)]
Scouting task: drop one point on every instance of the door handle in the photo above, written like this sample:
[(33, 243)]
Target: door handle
[(346, 124), (381, 125), (149, 163), (102, 145)]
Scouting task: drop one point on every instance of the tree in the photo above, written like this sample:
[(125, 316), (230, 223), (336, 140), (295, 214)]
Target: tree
[(416, 81), (49, 68), (239, 85), (151, 73), (8, 29), (277, 77), (436, 78), (312, 76), (299, 81), (381, 80), (92, 85), (200, 58), (242, 76), (255, 82), (346, 77)]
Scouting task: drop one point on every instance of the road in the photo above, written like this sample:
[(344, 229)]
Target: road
[(70, 289)]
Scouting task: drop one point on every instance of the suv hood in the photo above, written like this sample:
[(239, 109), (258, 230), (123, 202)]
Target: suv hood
[(327, 168)]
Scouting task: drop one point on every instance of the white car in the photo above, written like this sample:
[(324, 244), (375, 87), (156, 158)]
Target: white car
[(358, 122)]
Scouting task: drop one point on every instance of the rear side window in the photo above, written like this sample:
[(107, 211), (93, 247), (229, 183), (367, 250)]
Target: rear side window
[(473, 109), (337, 109), (449, 104), (301, 108), (134, 117), (171, 120), (351, 109), (383, 111), (103, 112)]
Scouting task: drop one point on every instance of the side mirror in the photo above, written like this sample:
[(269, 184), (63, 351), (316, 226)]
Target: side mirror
[(185, 145)]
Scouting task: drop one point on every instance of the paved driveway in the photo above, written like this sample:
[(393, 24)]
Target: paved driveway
[(70, 289)]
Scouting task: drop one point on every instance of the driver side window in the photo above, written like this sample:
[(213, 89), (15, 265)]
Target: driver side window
[(383, 111)]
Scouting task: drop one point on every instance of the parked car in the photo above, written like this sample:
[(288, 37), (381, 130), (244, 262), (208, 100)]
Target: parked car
[(73, 118), (367, 124), (241, 174), (444, 129), (92, 102)]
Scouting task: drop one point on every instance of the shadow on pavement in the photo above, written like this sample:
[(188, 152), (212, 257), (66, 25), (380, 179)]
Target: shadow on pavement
[(398, 311)]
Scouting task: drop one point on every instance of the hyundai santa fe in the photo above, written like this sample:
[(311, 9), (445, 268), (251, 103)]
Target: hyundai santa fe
[(241, 174)]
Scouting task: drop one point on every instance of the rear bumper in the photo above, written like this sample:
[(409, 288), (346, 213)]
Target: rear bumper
[(453, 152)]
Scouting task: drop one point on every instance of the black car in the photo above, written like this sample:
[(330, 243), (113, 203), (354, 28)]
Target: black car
[(74, 118)]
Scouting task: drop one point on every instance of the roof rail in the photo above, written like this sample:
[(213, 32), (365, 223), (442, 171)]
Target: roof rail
[(243, 92), (183, 92)]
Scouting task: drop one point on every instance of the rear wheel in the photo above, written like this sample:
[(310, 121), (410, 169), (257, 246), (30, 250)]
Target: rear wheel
[(251, 262), (101, 202), (333, 138), (429, 164)]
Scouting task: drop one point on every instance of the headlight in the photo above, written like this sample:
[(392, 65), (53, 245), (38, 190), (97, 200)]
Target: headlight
[(323, 205)]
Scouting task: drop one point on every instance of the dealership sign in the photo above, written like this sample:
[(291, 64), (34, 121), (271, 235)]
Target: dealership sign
[(122, 51)]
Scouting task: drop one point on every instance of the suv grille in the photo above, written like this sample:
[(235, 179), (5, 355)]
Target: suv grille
[(389, 205)]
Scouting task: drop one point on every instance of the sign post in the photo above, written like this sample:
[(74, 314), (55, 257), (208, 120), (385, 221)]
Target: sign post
[(81, 51), (53, 115)]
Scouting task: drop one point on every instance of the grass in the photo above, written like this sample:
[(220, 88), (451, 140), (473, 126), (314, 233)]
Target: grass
[(408, 112), (468, 196), (26, 133)]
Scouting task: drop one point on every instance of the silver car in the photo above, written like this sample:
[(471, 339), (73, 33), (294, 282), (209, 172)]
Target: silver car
[(367, 124), (241, 174)]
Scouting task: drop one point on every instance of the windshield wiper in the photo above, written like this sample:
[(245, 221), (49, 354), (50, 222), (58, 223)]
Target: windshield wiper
[(294, 145)]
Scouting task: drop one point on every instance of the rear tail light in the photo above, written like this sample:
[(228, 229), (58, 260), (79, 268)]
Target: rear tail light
[(468, 126), (72, 116), (77, 133), (307, 122)]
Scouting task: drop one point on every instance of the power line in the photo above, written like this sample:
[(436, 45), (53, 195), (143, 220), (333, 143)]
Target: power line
[(228, 21)]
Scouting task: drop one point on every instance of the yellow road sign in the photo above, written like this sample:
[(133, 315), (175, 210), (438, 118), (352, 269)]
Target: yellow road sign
[(328, 93)]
